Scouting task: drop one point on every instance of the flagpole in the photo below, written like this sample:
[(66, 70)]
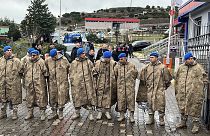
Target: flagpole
[(170, 31)]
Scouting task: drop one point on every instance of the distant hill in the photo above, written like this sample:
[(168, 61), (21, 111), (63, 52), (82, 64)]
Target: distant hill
[(146, 15)]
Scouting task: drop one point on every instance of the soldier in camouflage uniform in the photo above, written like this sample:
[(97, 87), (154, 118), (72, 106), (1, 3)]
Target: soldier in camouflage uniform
[(35, 73), (189, 84), (106, 84), (10, 82), (126, 74), (154, 80), (24, 60), (82, 87), (58, 85)]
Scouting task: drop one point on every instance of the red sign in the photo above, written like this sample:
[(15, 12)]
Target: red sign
[(171, 12)]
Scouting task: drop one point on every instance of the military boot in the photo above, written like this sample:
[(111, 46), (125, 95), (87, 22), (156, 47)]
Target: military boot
[(151, 119), (3, 112), (30, 114), (132, 117), (122, 117), (15, 110), (182, 124), (195, 126), (161, 119), (99, 115), (76, 114), (108, 116), (91, 118), (60, 114), (43, 115), (54, 114)]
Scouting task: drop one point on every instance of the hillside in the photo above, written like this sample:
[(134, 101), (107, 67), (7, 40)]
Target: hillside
[(146, 14)]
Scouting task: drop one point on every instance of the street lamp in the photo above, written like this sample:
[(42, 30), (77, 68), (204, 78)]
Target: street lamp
[(59, 33)]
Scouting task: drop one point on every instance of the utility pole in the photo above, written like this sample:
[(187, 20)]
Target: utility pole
[(172, 12), (131, 3), (59, 33), (127, 28)]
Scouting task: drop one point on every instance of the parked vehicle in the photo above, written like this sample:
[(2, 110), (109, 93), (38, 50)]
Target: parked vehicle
[(139, 45), (70, 39)]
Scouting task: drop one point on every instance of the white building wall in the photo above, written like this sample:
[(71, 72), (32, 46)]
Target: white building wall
[(98, 25), (129, 26), (204, 21), (106, 25)]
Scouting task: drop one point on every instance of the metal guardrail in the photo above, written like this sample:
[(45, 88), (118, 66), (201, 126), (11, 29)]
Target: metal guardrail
[(162, 46), (200, 47)]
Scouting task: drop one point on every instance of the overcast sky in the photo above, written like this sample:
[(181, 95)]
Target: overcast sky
[(16, 9)]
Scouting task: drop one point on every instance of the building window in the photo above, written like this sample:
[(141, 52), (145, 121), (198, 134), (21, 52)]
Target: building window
[(116, 26), (197, 27)]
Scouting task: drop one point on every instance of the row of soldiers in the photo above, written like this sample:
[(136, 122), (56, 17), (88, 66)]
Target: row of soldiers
[(90, 86), (98, 85)]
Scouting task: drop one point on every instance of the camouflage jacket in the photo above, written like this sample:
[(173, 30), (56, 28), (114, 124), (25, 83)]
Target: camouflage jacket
[(10, 80), (189, 87)]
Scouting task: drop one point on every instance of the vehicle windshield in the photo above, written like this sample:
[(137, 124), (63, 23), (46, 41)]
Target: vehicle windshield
[(72, 38), (140, 42)]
